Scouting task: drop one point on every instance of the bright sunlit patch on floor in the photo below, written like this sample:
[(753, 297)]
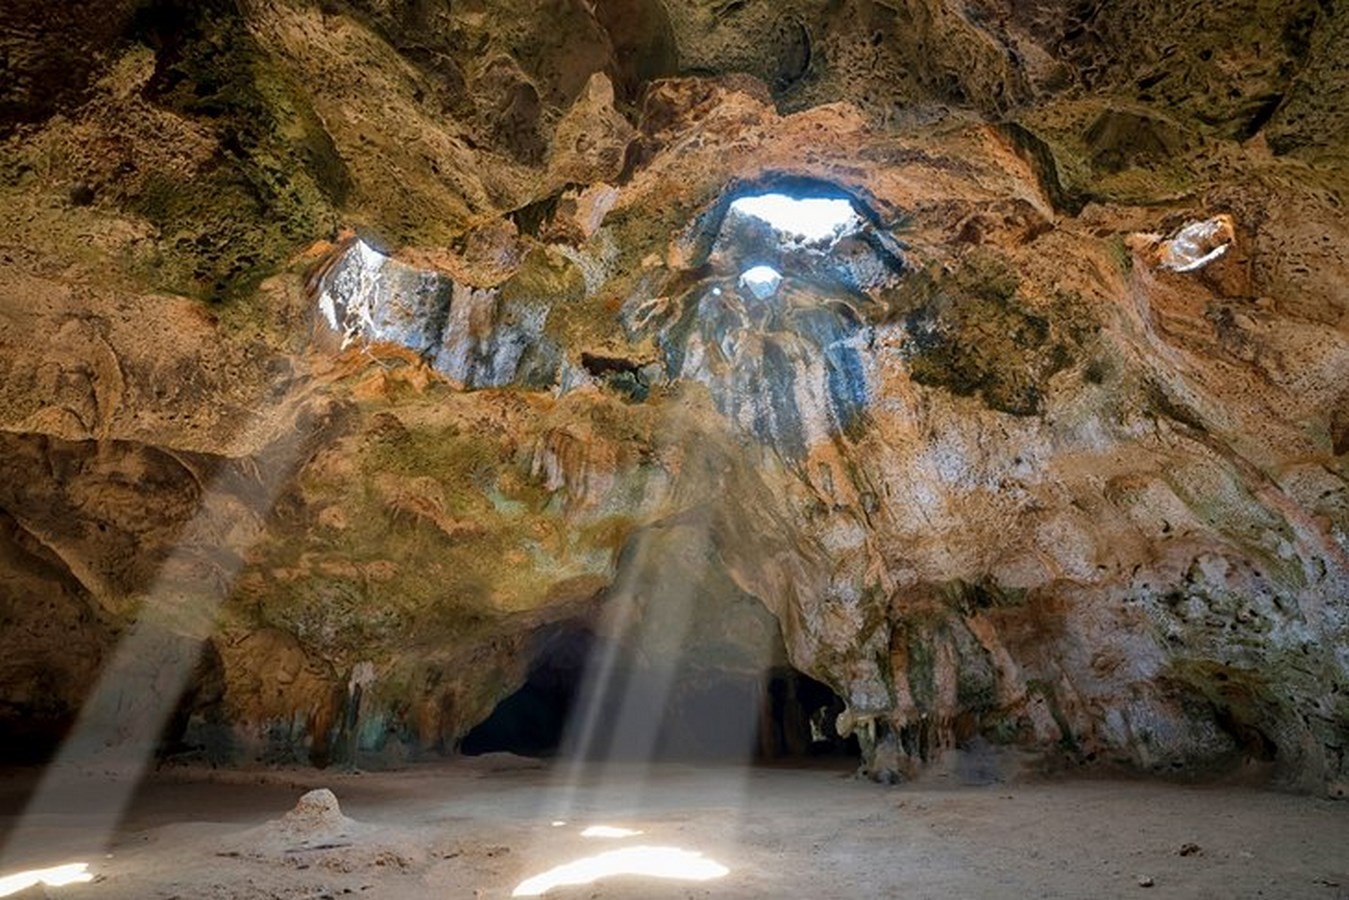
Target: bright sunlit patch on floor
[(763, 281), (608, 831), (812, 218), (652, 862), (56, 876)]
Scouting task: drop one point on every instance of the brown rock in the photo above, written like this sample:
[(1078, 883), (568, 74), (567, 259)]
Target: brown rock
[(984, 465)]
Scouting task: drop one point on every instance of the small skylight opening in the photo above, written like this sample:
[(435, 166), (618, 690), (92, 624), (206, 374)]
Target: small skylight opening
[(811, 218), (762, 281)]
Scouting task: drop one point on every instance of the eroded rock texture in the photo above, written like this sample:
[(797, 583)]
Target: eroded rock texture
[(350, 347)]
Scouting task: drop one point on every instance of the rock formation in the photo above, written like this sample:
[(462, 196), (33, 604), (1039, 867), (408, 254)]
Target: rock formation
[(348, 346)]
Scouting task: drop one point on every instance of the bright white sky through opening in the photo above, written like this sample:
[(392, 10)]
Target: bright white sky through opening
[(762, 280), (812, 218)]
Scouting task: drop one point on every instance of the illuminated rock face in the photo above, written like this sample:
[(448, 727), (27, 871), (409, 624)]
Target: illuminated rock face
[(1022, 457), (471, 336)]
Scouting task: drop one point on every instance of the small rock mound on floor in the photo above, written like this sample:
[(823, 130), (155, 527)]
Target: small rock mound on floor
[(317, 815), (316, 833)]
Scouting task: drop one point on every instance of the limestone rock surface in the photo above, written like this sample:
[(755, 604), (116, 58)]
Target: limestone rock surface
[(356, 344)]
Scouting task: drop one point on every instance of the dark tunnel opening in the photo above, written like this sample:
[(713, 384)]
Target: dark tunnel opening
[(533, 720), (799, 719), (776, 716)]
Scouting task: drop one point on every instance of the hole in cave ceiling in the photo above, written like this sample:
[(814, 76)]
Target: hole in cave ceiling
[(805, 218), (805, 232), (790, 274), (762, 281)]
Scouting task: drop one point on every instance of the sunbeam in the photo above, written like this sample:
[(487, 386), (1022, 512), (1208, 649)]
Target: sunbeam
[(114, 739)]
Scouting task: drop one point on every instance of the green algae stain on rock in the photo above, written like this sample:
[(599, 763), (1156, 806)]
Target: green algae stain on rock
[(276, 175), (973, 332), (1240, 702)]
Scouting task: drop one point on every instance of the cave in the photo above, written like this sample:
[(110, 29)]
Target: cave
[(735, 713), (665, 447), (532, 720), (777, 717), (798, 720)]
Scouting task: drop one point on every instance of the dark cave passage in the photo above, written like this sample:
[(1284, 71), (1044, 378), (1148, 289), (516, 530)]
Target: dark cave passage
[(685, 713), (798, 719), (533, 720)]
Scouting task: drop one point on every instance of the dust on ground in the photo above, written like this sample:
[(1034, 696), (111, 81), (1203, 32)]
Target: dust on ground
[(485, 827)]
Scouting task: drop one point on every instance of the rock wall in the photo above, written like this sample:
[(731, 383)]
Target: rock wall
[(350, 345)]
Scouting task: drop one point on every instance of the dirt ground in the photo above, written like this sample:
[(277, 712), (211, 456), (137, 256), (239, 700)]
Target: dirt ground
[(482, 827)]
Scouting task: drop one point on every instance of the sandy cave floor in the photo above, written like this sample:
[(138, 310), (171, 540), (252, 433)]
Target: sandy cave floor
[(480, 827)]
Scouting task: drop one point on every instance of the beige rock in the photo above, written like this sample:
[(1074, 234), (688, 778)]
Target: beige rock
[(1045, 482)]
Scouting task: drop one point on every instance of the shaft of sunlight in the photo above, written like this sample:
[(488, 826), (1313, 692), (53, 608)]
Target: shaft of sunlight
[(115, 737), (630, 711), (582, 730)]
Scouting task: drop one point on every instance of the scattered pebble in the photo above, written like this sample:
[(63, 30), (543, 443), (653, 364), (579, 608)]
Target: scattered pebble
[(1145, 881), (1188, 849)]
